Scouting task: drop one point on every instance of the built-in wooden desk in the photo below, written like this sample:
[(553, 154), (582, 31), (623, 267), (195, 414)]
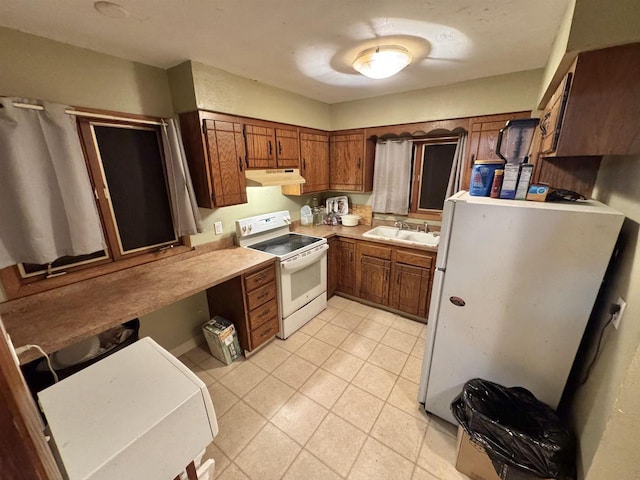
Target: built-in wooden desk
[(57, 318)]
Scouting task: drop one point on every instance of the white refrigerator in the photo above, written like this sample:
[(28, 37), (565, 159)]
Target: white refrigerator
[(514, 286)]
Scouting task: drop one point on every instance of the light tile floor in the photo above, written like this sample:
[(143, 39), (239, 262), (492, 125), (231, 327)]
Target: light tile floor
[(335, 400)]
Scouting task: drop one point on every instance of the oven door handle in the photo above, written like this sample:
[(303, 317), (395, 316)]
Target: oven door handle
[(305, 261)]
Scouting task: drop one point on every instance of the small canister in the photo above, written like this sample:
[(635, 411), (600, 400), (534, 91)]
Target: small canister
[(498, 176), (482, 176)]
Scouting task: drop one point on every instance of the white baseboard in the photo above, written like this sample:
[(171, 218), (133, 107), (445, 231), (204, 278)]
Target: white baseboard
[(188, 345)]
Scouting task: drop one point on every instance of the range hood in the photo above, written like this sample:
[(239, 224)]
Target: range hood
[(273, 177)]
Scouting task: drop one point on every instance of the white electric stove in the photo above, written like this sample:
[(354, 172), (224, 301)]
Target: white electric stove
[(301, 266)]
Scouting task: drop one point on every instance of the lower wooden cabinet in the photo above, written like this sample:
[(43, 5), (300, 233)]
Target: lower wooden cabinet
[(332, 266), (250, 301), (346, 266), (411, 286), (373, 267), (395, 277)]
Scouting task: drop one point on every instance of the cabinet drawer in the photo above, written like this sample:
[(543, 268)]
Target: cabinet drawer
[(264, 333), (258, 279), (414, 259), (261, 295), (375, 251), (263, 314)]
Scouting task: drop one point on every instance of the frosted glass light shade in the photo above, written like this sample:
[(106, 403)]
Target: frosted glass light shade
[(382, 62)]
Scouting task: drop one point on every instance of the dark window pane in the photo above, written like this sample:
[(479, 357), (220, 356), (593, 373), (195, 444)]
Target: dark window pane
[(436, 168), (134, 172)]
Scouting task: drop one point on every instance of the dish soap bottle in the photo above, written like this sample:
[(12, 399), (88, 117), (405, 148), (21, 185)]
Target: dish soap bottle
[(318, 214)]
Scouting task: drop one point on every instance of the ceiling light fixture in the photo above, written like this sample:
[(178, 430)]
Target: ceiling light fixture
[(382, 61)]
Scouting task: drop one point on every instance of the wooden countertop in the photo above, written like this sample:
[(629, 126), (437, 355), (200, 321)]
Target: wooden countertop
[(356, 233), (60, 317), (63, 316)]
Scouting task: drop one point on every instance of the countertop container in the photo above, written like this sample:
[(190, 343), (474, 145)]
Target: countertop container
[(350, 220)]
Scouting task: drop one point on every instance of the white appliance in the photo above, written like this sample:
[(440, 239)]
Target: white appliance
[(301, 266), (139, 413), (514, 286)]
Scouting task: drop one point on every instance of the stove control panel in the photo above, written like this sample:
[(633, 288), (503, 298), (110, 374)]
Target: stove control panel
[(262, 223)]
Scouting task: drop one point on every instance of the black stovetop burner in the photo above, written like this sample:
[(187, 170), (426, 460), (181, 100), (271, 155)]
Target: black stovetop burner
[(285, 244)]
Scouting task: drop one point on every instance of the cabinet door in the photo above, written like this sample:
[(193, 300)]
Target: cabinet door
[(346, 266), (373, 263), (551, 121), (483, 140), (315, 162), (287, 148), (225, 149), (374, 284), (411, 289), (260, 147), (333, 265), (347, 162)]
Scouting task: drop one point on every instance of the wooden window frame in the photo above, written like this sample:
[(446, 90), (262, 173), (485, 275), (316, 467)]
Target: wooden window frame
[(416, 178), (16, 285)]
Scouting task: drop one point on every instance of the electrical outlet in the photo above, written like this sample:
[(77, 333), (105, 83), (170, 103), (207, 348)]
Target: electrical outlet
[(618, 316), (218, 227)]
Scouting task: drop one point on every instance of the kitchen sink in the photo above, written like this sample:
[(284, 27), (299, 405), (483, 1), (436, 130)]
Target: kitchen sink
[(411, 237)]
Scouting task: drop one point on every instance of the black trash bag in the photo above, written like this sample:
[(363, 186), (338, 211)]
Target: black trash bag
[(515, 428)]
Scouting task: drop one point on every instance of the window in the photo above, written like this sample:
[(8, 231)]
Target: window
[(126, 167), (433, 160), (127, 172)]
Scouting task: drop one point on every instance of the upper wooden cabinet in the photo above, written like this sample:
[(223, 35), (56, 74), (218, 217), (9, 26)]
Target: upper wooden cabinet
[(314, 163), (272, 145), (214, 146), (351, 159), (287, 148), (596, 108), (483, 139)]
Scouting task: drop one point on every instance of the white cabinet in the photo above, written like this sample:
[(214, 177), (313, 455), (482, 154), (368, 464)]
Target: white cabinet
[(139, 413)]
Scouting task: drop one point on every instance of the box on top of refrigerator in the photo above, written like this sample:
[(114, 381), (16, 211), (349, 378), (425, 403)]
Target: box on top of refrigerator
[(222, 339)]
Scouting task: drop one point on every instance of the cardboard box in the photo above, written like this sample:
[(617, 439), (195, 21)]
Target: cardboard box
[(476, 464), (222, 339), (472, 461)]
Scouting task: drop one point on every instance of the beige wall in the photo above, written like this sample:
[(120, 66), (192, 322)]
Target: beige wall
[(606, 410), (598, 24), (559, 61), (260, 200), (34, 67), (221, 91), (589, 25), (505, 93)]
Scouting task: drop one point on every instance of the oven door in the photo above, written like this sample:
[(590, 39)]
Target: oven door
[(302, 278)]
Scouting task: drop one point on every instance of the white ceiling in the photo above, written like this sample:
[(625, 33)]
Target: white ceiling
[(307, 46)]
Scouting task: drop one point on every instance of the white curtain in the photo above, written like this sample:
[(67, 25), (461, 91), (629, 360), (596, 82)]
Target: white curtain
[(392, 177), (183, 201), (457, 167), (47, 207)]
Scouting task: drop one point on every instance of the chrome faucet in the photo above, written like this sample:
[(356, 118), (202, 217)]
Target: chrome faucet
[(426, 227), (401, 225)]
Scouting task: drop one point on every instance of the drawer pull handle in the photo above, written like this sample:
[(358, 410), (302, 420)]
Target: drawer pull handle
[(264, 295), (265, 333)]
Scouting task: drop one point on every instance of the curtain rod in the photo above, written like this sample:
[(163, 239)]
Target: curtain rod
[(79, 113)]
